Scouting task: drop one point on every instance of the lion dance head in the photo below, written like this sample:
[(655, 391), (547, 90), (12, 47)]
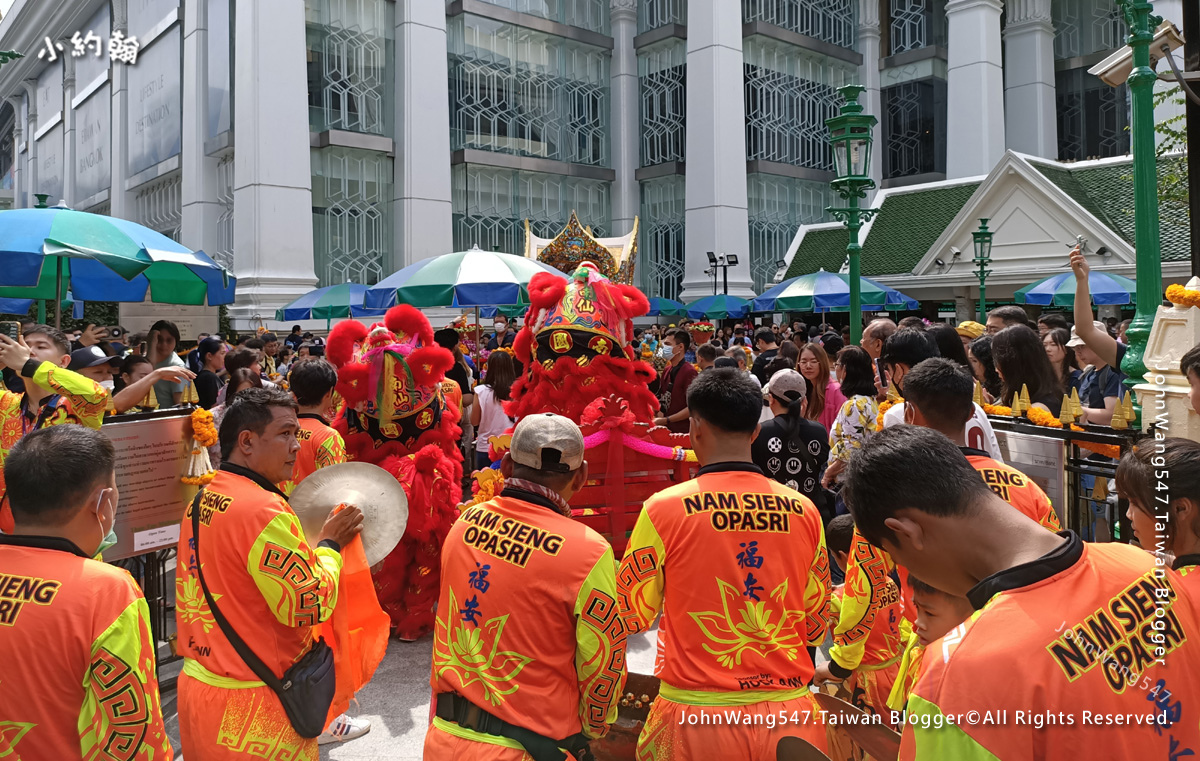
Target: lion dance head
[(575, 347)]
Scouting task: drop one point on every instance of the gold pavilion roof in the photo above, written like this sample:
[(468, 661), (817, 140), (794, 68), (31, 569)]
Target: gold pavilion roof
[(615, 257)]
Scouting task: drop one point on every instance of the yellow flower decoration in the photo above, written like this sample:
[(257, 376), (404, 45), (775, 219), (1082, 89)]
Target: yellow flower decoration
[(1181, 296)]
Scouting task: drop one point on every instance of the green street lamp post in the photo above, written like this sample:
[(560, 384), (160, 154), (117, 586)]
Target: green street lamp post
[(850, 136), (983, 257), (1145, 188)]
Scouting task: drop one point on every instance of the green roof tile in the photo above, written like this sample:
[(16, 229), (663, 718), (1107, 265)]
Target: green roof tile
[(908, 225), (820, 249), (1107, 192)]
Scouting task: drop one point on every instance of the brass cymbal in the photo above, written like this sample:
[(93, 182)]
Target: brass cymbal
[(368, 487)]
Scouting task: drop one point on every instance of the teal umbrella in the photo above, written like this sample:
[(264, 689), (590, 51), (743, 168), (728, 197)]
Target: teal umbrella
[(1059, 290), (461, 279), (719, 307), (660, 307), (328, 303)]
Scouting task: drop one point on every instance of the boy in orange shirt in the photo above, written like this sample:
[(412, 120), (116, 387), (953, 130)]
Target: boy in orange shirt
[(871, 682), (312, 384)]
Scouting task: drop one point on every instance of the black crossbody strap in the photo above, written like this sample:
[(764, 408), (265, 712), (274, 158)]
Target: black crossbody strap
[(260, 669)]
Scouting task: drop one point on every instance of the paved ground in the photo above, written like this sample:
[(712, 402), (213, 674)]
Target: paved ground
[(397, 702)]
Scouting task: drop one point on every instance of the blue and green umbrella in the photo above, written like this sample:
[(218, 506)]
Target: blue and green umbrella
[(660, 307), (718, 307), (823, 291), (332, 302), (460, 279), (1059, 290)]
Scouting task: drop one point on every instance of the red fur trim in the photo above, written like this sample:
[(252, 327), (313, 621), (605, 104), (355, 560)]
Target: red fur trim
[(523, 345), (339, 347), (429, 364), (634, 302), (567, 389), (546, 290), (354, 382), (408, 321)]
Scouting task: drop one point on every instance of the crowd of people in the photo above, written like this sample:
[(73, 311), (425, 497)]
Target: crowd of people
[(898, 538)]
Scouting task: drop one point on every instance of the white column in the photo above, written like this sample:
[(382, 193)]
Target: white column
[(975, 88), (31, 156), (422, 206), (199, 191), (625, 126), (1170, 10), (868, 77), (68, 120), (272, 179), (716, 207), (1030, 121), (118, 199), (18, 136)]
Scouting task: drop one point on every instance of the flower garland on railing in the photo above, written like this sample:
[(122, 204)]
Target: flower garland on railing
[(1182, 296), (204, 435)]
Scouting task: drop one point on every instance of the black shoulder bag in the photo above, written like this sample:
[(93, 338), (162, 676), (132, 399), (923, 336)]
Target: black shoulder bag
[(306, 689)]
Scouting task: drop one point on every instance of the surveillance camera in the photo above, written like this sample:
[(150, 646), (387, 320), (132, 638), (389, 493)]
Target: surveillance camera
[(939, 262), (1103, 251), (955, 252), (1115, 69)]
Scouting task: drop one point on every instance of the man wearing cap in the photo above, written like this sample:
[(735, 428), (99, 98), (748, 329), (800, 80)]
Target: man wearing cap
[(53, 394), (736, 563), (1100, 386), (968, 331), (529, 646), (790, 448), (92, 362)]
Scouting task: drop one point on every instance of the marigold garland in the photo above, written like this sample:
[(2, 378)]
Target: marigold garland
[(204, 435), (1181, 296), (884, 406)]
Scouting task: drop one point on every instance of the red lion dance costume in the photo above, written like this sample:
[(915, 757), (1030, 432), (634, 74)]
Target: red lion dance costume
[(402, 415), (575, 347)]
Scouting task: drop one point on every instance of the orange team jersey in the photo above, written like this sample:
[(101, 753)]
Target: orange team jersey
[(320, 446), (868, 593), (527, 623), (750, 589), (1104, 652), (268, 582), (78, 680), (75, 399), (1015, 488)]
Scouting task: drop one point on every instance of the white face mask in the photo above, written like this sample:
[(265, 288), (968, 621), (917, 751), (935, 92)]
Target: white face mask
[(108, 384), (500, 327)]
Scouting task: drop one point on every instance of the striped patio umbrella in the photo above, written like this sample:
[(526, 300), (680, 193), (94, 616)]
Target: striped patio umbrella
[(332, 302), (660, 307), (461, 279), (1059, 290), (719, 307), (823, 291)]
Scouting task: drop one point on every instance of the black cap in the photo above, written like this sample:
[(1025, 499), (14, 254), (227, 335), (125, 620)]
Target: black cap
[(91, 356)]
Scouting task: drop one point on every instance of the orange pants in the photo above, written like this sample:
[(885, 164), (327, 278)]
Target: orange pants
[(218, 724), (443, 745), (730, 733)]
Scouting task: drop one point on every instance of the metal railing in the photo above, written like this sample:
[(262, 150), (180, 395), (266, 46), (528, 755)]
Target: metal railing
[(154, 573)]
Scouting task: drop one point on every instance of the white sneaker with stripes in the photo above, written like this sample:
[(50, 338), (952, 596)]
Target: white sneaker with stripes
[(344, 728)]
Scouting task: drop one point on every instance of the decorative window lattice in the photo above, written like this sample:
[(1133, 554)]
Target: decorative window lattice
[(655, 13), (586, 14), (1093, 118), (912, 128), (1083, 27), (789, 95), (159, 205), (491, 205), (916, 24), (662, 73), (352, 210), (832, 21), (661, 228), (777, 207), (350, 61), (224, 253), (515, 90)]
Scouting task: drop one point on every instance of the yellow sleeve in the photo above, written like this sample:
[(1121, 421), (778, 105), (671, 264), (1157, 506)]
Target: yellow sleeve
[(818, 606), (87, 397), (299, 584), (1049, 517), (866, 579), (121, 716), (599, 647), (331, 451), (910, 668), (640, 578)]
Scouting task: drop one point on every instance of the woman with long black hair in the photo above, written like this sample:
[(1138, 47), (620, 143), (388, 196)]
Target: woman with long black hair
[(1021, 362), (949, 343), (979, 354), (1062, 357), (487, 414)]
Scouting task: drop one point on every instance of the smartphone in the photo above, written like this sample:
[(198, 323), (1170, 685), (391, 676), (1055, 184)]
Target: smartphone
[(115, 332), (11, 329), (881, 372)]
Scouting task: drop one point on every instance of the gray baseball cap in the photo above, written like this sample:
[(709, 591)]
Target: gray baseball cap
[(547, 442), (787, 384)]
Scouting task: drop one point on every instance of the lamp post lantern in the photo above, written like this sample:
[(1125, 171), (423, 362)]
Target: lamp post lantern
[(983, 257), (1147, 243), (850, 137)]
